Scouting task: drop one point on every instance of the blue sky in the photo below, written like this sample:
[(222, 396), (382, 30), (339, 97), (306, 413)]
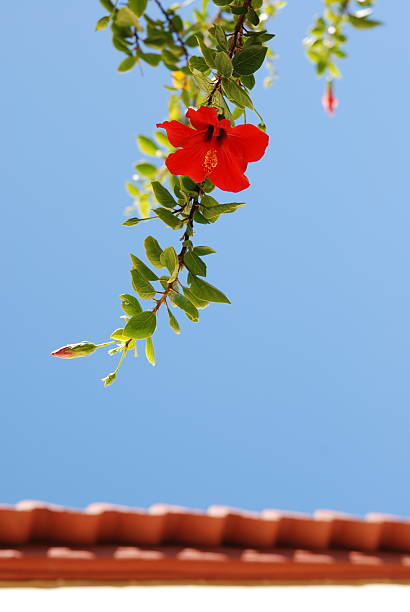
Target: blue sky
[(297, 395)]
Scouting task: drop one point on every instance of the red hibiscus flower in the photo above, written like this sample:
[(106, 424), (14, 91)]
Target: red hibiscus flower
[(214, 148), (329, 102)]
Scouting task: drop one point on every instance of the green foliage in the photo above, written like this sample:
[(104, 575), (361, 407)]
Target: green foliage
[(173, 323), (149, 351), (145, 272), (147, 145), (138, 6), (163, 196), (182, 302), (130, 304), (205, 291), (169, 259), (215, 211), (153, 251), (194, 263), (141, 326), (168, 218), (141, 286), (249, 60)]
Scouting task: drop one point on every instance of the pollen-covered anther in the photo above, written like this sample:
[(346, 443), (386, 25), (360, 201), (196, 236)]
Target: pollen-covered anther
[(210, 160)]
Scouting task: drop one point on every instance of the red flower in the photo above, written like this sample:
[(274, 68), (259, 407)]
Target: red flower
[(214, 148), (329, 102)]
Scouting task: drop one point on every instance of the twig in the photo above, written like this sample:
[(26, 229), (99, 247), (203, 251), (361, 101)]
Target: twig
[(173, 28), (233, 45), (181, 254)]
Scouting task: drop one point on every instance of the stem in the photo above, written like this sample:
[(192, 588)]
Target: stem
[(171, 25), (233, 45), (124, 352), (181, 254), (107, 343)]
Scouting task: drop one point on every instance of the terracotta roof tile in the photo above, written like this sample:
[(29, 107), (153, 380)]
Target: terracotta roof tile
[(31, 522)]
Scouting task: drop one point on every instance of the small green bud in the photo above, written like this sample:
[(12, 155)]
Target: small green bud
[(81, 349), (109, 379)]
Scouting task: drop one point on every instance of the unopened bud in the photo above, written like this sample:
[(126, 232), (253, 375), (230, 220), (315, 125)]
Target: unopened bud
[(329, 102), (109, 379), (81, 349)]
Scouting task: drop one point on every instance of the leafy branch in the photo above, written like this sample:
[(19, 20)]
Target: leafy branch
[(212, 59)]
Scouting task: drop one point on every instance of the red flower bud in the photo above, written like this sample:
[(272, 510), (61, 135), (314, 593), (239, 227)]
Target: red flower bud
[(329, 102), (81, 349)]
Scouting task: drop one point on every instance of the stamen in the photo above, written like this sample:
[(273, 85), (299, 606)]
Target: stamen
[(210, 160), (209, 132), (221, 137)]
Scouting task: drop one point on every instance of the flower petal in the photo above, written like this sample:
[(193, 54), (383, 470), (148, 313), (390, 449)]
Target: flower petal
[(249, 140), (229, 173), (201, 118), (188, 162), (178, 134)]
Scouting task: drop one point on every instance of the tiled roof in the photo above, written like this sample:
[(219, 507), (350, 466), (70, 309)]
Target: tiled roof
[(30, 522), (169, 541)]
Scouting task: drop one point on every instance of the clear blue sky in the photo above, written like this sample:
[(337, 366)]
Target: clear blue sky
[(296, 396)]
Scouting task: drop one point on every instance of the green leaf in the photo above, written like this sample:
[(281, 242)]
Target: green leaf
[(173, 322), (199, 218), (147, 170), (144, 289), (177, 23), (197, 62), (236, 94), (130, 304), (168, 218), (205, 291), (203, 250), (103, 22), (188, 184), (249, 60), (334, 70), (223, 64), (127, 64), (149, 351), (163, 140), (145, 272), (182, 302), (153, 59), (133, 190), (195, 301), (248, 81), (221, 2), (118, 334), (126, 18), (214, 211), (363, 23), (138, 6), (221, 37), (132, 221), (153, 251), (194, 263), (147, 145), (206, 52), (108, 5), (238, 10), (141, 325), (162, 195), (121, 45), (252, 17), (201, 82), (170, 260)]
